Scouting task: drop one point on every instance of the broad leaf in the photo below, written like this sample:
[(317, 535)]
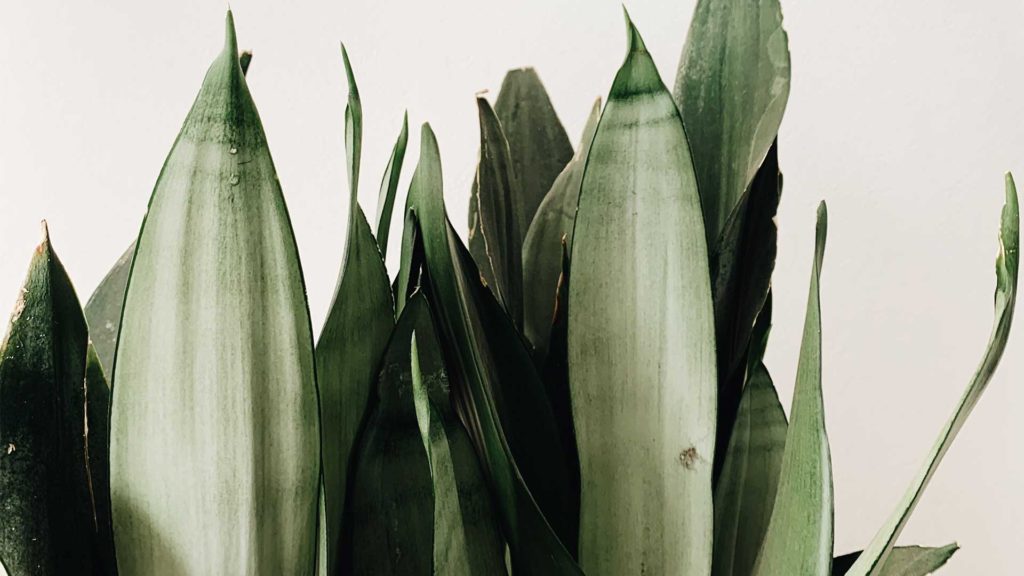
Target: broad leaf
[(47, 526), (539, 149), (542, 249), (903, 561), (731, 89), (390, 507), (214, 453), (354, 337), (641, 338), (800, 533), (741, 273), (389, 187), (498, 393), (745, 491), (874, 559), (467, 539)]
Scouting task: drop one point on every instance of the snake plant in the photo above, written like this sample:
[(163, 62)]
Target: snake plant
[(578, 388)]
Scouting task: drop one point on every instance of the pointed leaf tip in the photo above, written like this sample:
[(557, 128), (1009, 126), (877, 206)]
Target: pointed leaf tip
[(821, 234), (635, 42), (1011, 218), (230, 39), (352, 88)]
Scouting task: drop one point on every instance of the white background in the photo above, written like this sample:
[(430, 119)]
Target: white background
[(903, 116)]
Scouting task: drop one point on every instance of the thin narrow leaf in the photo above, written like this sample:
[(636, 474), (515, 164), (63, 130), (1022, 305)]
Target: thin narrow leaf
[(641, 338), (47, 525), (214, 453), (349, 350), (800, 533), (97, 431), (389, 526), (498, 394), (389, 187), (745, 491), (539, 149), (542, 256), (467, 539), (741, 273), (874, 558), (903, 561), (502, 223), (353, 131), (103, 311), (731, 89)]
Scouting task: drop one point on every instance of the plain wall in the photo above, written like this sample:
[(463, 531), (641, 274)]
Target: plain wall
[(903, 116)]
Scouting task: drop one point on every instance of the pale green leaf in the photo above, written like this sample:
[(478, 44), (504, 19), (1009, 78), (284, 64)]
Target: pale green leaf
[(542, 249), (103, 311), (214, 452), (641, 338), (731, 89), (874, 559), (800, 533), (903, 561)]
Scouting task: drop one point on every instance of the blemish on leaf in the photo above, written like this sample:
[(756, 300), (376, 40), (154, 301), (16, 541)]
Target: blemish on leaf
[(689, 458)]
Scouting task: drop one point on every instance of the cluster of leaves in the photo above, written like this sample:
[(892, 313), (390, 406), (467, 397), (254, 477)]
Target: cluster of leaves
[(579, 388)]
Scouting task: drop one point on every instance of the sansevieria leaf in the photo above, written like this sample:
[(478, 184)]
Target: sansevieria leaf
[(352, 342), (498, 393), (542, 249), (800, 533), (903, 561), (745, 490), (731, 89), (215, 434), (641, 338), (47, 525), (874, 558), (97, 429), (389, 187)]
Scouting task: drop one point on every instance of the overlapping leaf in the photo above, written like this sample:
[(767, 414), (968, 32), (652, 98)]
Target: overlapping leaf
[(905, 561), (389, 187), (641, 338), (215, 449)]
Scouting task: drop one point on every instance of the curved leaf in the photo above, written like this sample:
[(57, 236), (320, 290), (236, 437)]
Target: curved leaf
[(349, 350), (214, 452), (389, 187), (498, 394), (874, 559), (641, 338), (47, 526), (745, 491), (905, 561), (800, 533), (542, 249), (731, 89)]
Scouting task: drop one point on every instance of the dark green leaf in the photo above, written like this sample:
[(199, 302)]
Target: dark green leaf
[(731, 88), (874, 559), (903, 561), (799, 536), (389, 187), (97, 427), (47, 526), (215, 439), (542, 256), (641, 338), (498, 393)]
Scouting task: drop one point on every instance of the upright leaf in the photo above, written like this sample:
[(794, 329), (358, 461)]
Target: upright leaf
[(214, 452), (800, 533), (741, 273), (539, 149), (641, 338), (498, 393), (905, 561), (97, 433), (542, 249), (47, 526), (874, 559), (731, 89), (351, 344), (353, 129), (103, 311), (502, 223), (467, 539), (745, 490), (389, 525), (389, 187)]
